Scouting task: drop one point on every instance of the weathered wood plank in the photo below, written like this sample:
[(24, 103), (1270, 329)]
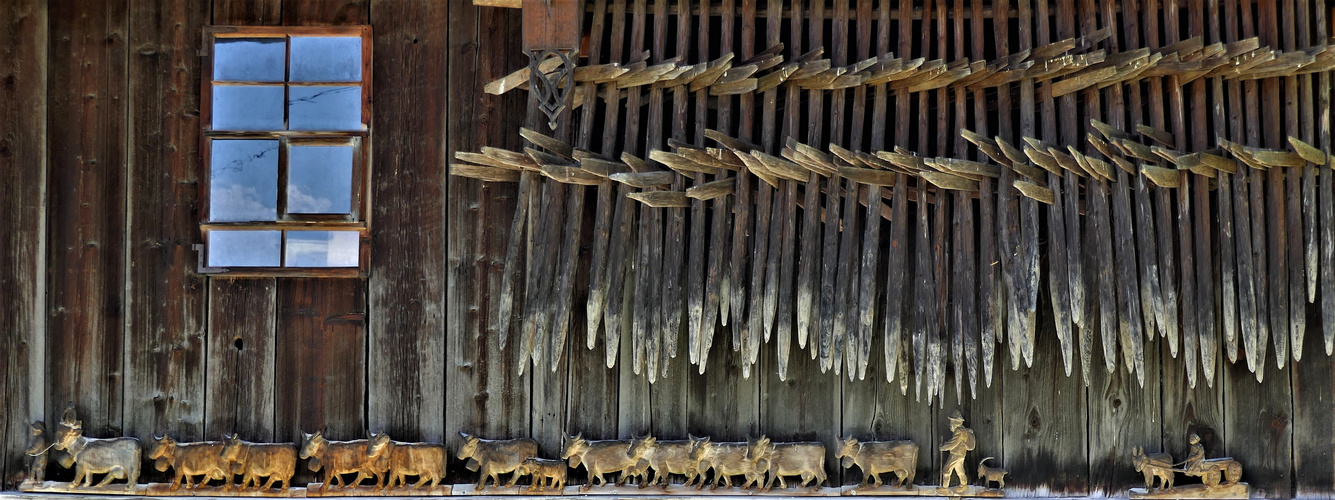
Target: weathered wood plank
[(326, 12), (483, 393), (87, 116), (239, 397), (323, 344), (1261, 436), (247, 12), (23, 67), (406, 374)]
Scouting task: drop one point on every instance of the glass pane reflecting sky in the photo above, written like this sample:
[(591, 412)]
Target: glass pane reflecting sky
[(325, 108), (247, 107), (322, 249), (319, 180), (249, 59), (245, 248), (243, 184), (326, 59)]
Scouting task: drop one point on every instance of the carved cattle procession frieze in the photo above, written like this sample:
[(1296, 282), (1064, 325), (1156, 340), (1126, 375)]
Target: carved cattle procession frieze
[(379, 465)]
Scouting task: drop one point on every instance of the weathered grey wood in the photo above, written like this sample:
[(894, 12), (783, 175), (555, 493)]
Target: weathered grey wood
[(484, 394), (1326, 199), (1262, 436), (1292, 192), (24, 31)]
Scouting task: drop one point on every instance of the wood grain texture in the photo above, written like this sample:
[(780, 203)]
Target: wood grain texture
[(86, 193), (406, 369), (23, 152), (322, 347), (239, 397), (164, 385), (326, 12)]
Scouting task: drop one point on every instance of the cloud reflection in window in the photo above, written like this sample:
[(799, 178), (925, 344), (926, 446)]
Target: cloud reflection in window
[(322, 249), (243, 186), (319, 180)]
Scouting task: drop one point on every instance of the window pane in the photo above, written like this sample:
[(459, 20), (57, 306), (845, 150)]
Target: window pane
[(319, 180), (249, 59), (243, 184), (247, 107), (244, 248), (322, 248), (325, 108), (326, 59)]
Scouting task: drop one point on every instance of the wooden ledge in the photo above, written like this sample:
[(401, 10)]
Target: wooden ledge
[(50, 489)]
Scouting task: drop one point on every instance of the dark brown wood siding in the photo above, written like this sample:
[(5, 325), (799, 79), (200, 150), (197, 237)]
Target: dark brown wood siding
[(100, 304)]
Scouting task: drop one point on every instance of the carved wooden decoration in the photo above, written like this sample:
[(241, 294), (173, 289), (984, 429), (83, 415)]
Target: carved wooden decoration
[(880, 457), (1219, 476), (603, 457), (491, 458), (546, 474), (38, 448), (275, 461), (728, 460), (988, 475), (337, 458), (961, 442), (117, 458), (188, 460)]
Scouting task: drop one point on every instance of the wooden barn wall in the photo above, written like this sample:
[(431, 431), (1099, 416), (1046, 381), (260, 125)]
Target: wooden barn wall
[(99, 304)]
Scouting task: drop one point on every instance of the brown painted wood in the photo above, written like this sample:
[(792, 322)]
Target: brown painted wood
[(247, 12), (86, 304), (406, 379), (24, 69)]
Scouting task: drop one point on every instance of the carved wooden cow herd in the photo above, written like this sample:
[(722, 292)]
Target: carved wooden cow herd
[(755, 463)]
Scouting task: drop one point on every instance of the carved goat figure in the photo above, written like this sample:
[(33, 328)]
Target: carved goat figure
[(37, 452), (340, 457), (988, 475), (118, 458), (276, 461), (603, 457), (491, 458), (546, 474), (1158, 465), (880, 457), (806, 460), (424, 460), (187, 460), (674, 457), (733, 459)]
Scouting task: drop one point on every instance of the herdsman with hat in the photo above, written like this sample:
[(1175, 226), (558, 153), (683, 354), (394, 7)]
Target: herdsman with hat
[(961, 442)]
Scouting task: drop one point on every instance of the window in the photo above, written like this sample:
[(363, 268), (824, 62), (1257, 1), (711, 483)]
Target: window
[(286, 114)]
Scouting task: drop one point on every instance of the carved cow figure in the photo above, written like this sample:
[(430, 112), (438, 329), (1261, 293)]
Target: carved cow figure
[(733, 459), (37, 452), (118, 458), (674, 457), (879, 457), (603, 457), (276, 461), (341, 457), (806, 460), (547, 474), (188, 460), (424, 460), (491, 458)]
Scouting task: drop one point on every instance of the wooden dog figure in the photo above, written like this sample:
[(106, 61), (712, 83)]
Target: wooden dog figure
[(988, 475), (491, 458), (204, 459), (276, 461), (37, 452), (547, 474), (424, 460)]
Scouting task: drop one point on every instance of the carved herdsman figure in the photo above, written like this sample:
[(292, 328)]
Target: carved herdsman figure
[(961, 442)]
